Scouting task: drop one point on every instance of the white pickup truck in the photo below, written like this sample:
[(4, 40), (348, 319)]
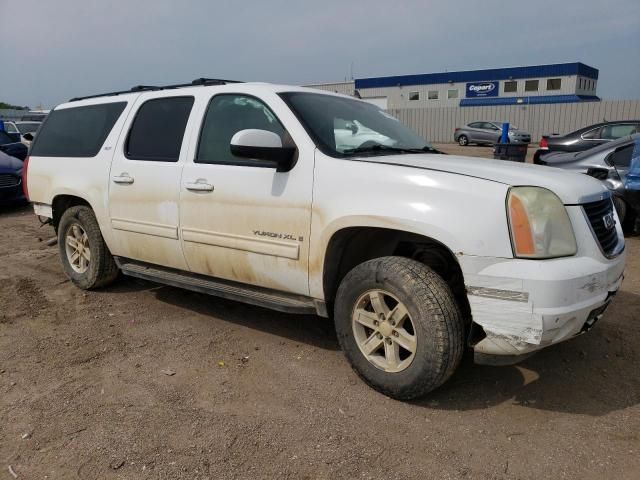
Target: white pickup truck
[(309, 202)]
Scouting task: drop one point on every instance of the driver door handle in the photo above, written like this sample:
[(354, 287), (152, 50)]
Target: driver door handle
[(123, 178), (200, 185)]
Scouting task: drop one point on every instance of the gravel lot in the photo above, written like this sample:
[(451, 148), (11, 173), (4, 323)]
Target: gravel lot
[(144, 381)]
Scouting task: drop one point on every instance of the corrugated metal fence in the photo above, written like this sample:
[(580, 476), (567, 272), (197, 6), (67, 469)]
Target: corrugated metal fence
[(437, 124)]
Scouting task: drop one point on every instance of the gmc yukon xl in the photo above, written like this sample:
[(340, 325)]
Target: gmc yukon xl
[(310, 202)]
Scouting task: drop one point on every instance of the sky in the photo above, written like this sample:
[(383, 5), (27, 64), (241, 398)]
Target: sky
[(52, 50)]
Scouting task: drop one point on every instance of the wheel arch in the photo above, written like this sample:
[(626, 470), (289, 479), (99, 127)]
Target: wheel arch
[(62, 202), (351, 246)]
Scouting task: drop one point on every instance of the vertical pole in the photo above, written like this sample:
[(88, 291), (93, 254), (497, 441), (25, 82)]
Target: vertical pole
[(505, 133)]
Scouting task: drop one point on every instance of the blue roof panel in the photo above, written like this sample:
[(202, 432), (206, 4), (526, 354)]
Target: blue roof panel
[(542, 99), (553, 70)]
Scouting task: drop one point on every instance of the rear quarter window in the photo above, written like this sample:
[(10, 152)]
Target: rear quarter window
[(76, 131)]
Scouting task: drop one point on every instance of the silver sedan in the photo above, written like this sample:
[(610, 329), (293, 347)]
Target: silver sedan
[(488, 133)]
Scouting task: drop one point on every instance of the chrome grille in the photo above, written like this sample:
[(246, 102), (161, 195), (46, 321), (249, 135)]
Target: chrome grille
[(8, 180), (596, 213)]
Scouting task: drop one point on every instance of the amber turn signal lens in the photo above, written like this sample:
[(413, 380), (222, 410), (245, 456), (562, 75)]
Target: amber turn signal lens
[(520, 228)]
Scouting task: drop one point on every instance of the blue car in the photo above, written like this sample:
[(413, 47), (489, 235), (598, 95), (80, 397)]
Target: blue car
[(9, 146), (11, 180)]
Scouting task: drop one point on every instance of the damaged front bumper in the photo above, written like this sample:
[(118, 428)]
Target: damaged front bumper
[(521, 306)]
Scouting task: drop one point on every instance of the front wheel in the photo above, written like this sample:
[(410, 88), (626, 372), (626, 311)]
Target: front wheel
[(84, 255), (399, 326)]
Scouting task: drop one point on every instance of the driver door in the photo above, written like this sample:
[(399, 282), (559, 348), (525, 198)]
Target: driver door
[(240, 219)]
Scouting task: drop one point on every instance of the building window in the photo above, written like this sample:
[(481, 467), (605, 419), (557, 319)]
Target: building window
[(510, 87), (452, 93), (554, 84), (531, 86), (414, 95), (433, 95)]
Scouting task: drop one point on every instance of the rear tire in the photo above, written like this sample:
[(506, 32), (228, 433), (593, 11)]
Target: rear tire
[(85, 257), (410, 353), (463, 141)]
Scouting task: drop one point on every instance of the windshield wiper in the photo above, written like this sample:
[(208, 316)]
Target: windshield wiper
[(386, 148)]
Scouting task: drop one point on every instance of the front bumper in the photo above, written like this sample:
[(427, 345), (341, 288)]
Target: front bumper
[(525, 305)]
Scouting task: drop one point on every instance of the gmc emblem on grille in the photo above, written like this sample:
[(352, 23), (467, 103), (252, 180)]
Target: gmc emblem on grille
[(609, 221)]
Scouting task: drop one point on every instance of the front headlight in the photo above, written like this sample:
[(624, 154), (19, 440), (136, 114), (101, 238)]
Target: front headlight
[(539, 224)]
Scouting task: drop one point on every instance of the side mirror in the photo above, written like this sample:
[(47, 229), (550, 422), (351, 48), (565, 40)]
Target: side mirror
[(28, 137), (263, 145), (353, 127)]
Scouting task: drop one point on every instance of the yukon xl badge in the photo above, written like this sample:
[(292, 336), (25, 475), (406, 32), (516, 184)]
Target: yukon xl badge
[(281, 236), (609, 221)]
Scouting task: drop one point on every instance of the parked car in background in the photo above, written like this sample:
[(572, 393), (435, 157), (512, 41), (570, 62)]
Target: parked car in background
[(610, 163), (488, 133), (587, 137), (24, 131), (12, 147), (35, 116), (11, 180)]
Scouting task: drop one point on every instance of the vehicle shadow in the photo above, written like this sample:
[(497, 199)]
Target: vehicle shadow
[(593, 374), (310, 329)]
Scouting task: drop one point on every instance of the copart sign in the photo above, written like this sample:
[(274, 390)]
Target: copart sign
[(482, 89)]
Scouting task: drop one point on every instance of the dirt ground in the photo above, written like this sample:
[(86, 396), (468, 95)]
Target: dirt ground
[(144, 381)]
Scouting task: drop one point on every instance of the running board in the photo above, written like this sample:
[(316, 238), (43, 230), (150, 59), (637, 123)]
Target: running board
[(262, 297)]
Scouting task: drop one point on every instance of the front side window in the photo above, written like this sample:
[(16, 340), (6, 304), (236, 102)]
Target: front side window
[(531, 86), (510, 87), (226, 115), (4, 138), (554, 83), (76, 131), (342, 127), (157, 131), (10, 128)]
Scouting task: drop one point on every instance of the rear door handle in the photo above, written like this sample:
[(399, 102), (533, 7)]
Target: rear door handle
[(200, 185), (124, 178)]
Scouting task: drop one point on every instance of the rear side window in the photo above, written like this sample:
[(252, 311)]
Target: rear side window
[(76, 132), (612, 132), (621, 158), (157, 131)]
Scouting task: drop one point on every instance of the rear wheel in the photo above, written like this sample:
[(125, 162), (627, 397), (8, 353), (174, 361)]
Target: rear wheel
[(463, 140), (399, 326), (85, 257)]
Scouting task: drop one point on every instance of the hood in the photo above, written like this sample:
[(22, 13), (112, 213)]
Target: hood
[(572, 188), (9, 163)]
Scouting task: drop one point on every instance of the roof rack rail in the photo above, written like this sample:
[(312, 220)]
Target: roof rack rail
[(152, 88)]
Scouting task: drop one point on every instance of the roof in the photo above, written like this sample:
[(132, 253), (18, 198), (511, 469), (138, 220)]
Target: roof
[(537, 100), (536, 71)]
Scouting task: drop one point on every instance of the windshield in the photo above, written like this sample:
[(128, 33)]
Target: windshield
[(28, 127), (342, 127)]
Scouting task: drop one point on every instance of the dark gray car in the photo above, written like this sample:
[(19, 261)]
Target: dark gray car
[(611, 163), (488, 133)]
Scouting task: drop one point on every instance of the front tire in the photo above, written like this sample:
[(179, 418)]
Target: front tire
[(399, 326), (85, 257)]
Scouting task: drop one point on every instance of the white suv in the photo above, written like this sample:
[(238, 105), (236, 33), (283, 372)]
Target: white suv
[(242, 190)]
